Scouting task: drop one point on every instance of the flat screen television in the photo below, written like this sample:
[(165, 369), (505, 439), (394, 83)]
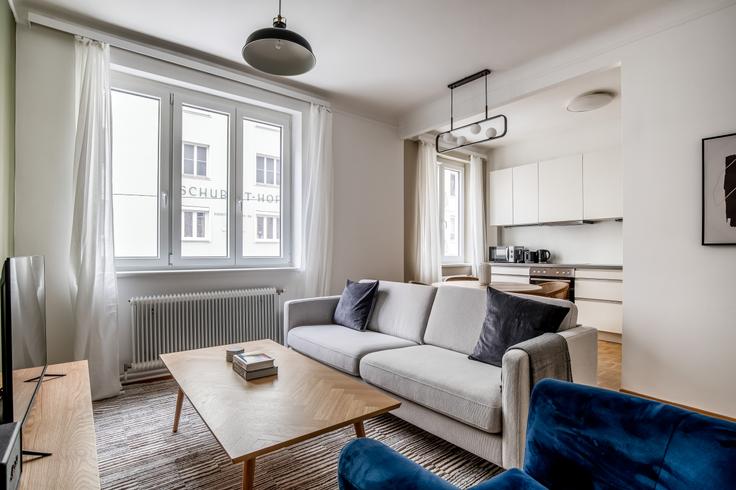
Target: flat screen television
[(22, 335)]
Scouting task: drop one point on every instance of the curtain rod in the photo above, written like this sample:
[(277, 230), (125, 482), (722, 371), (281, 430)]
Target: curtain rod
[(184, 60)]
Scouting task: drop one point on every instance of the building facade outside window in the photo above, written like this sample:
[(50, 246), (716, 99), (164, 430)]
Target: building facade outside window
[(194, 224), (195, 160)]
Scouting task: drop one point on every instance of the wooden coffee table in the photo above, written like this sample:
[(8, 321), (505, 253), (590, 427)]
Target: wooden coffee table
[(253, 418)]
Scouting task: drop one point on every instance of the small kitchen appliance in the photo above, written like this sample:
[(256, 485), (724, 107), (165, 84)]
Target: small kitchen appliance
[(508, 254)]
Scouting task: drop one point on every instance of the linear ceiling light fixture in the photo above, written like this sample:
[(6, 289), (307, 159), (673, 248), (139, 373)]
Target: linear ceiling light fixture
[(487, 129), (279, 51)]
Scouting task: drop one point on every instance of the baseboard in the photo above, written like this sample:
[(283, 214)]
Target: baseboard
[(680, 405), (609, 337)]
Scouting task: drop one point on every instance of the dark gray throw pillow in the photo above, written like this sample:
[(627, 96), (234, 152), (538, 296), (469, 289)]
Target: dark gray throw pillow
[(510, 320), (355, 305)]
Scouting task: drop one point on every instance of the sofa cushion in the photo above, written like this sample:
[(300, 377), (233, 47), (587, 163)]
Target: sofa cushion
[(511, 320), (402, 310), (442, 380), (340, 347), (458, 313), (355, 305)]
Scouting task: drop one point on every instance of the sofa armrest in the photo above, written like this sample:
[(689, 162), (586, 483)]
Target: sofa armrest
[(513, 479), (582, 343), (308, 311), (515, 393), (366, 464)]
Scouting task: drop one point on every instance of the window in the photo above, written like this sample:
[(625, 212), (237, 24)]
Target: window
[(198, 180), (194, 224), (268, 170), (194, 160), (452, 204), (268, 228)]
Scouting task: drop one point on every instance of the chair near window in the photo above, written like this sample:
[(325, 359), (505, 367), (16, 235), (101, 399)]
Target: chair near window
[(459, 278), (418, 282), (553, 289)]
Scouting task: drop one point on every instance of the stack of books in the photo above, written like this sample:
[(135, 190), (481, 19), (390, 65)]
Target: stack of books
[(254, 365)]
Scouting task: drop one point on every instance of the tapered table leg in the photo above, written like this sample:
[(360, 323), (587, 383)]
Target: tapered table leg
[(177, 414), (359, 429), (249, 473)]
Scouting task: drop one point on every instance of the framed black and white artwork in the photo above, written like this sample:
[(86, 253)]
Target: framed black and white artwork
[(719, 190)]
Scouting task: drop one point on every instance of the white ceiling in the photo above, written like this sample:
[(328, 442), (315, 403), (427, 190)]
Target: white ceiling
[(379, 57), (546, 111)]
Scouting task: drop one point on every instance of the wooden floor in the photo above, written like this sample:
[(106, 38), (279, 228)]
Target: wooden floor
[(609, 365)]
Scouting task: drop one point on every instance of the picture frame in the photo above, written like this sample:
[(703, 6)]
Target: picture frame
[(719, 190)]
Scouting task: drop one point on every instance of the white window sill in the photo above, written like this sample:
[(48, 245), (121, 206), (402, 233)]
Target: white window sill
[(455, 264), (151, 272)]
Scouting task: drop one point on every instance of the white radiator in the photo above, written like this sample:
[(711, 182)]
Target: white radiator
[(177, 322)]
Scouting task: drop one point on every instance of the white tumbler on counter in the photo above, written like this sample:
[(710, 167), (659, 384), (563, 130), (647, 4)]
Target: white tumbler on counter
[(484, 274)]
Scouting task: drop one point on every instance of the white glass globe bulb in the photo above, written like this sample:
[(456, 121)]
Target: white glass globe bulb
[(461, 140), (475, 128), (491, 132)]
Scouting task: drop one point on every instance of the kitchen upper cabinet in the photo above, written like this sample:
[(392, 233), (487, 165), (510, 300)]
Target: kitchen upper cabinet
[(561, 189), (500, 197), (526, 194), (602, 184)]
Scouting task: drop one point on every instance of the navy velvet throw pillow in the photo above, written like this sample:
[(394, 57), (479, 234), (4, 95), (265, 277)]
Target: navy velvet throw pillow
[(355, 305), (510, 320)]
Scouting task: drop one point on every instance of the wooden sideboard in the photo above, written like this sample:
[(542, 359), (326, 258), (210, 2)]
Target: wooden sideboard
[(60, 422)]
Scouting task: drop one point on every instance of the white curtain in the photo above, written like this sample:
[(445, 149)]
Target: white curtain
[(476, 215), (318, 179), (92, 270), (428, 254)]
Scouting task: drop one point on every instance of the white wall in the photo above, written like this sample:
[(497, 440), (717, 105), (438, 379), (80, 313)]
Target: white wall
[(679, 297), (45, 121), (678, 80), (599, 243), (368, 194), (369, 200)]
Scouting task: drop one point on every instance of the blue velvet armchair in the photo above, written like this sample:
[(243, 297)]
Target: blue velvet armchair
[(579, 437)]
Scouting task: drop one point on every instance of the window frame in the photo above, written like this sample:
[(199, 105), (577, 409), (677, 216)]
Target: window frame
[(460, 190), (171, 99), (283, 120), (151, 89)]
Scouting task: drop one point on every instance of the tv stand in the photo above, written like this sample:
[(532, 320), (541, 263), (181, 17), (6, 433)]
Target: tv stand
[(37, 454), (60, 421), (50, 376)]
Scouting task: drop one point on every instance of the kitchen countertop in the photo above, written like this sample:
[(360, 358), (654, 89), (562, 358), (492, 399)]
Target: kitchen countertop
[(574, 266)]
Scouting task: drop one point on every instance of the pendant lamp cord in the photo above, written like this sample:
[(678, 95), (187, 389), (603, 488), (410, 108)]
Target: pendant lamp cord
[(279, 8)]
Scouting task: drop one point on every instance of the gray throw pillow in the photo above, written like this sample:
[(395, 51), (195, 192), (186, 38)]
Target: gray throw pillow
[(510, 320), (355, 305)]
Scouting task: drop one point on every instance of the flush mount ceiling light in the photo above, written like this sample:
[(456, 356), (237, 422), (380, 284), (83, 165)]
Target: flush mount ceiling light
[(278, 51), (489, 128), (590, 101)]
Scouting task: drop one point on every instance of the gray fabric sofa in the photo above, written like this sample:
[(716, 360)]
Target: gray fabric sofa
[(416, 348)]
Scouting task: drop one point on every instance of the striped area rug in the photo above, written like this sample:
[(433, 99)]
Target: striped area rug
[(137, 450)]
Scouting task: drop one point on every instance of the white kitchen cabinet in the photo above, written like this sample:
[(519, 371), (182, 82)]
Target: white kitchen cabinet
[(561, 189), (526, 194), (500, 197), (602, 184), (605, 316), (501, 273), (599, 298)]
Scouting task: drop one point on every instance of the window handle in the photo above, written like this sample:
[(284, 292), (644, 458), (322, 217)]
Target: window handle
[(165, 200), (239, 207)]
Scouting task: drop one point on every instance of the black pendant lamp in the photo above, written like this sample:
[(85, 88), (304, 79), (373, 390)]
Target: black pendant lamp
[(278, 51)]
